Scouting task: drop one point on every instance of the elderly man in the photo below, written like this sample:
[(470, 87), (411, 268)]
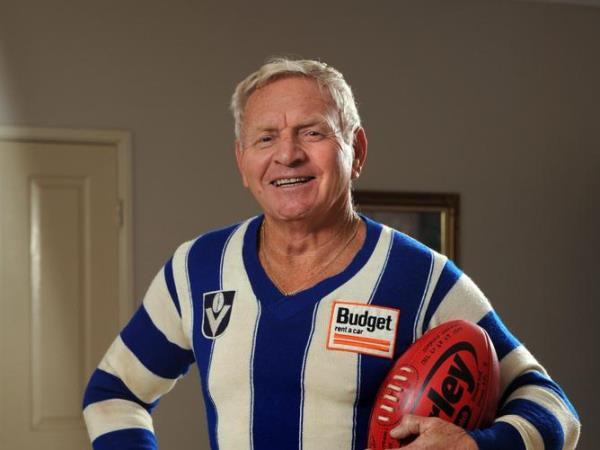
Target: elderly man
[(255, 305)]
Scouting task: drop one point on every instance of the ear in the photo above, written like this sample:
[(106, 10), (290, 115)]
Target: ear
[(359, 147), (239, 157)]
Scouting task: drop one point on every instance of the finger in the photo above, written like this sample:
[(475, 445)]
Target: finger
[(410, 425)]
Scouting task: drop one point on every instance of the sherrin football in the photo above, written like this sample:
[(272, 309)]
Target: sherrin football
[(450, 372)]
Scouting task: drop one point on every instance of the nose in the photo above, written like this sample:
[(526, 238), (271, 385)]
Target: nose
[(289, 151)]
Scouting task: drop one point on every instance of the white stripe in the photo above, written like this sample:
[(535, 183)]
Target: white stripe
[(252, 378), (225, 248), (389, 231), (229, 375), (212, 402), (530, 435), (438, 262), (555, 406), (309, 340), (517, 362), (330, 377), (113, 415), (463, 301), (181, 278), (145, 385), (162, 311), (212, 347), (358, 386), (359, 359)]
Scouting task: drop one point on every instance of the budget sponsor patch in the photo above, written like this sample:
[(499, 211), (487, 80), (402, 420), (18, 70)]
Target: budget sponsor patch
[(361, 328)]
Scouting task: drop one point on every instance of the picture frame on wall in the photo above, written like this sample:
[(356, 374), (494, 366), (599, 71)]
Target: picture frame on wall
[(431, 218)]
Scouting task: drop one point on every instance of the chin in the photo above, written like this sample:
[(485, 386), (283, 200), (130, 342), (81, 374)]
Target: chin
[(288, 211), (289, 214), (290, 217)]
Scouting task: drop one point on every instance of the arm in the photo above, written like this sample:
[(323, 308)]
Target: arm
[(534, 412), (143, 363)]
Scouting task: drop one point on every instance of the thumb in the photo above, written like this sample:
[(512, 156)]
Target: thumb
[(410, 425)]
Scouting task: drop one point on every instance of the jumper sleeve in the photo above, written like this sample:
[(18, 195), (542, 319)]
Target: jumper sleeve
[(534, 412), (143, 363)]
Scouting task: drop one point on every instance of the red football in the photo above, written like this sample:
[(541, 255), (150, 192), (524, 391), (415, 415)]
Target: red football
[(451, 372)]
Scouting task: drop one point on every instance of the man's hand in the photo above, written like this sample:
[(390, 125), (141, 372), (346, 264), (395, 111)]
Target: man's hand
[(432, 433)]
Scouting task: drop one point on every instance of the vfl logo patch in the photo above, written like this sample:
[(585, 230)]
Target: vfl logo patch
[(360, 328), (217, 311)]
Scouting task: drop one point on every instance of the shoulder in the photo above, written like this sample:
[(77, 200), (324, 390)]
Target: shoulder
[(211, 240), (402, 247), (205, 250), (407, 247)]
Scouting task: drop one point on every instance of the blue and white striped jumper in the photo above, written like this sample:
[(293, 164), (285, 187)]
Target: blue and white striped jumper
[(270, 375)]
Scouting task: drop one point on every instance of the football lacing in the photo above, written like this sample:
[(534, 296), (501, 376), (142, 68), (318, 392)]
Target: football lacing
[(399, 380)]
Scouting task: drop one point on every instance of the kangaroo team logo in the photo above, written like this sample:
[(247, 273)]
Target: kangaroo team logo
[(217, 311)]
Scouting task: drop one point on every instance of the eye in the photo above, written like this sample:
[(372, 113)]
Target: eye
[(264, 140), (312, 135)]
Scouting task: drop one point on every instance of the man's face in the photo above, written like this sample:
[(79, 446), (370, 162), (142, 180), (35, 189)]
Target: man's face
[(291, 155)]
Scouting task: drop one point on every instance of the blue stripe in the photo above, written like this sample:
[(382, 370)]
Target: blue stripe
[(282, 342), (545, 422), (402, 284), (504, 341), (170, 281), (448, 278), (127, 439), (538, 379), (105, 386), (500, 436), (152, 348)]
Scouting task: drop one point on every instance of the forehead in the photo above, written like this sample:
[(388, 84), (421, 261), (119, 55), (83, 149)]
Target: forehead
[(285, 101)]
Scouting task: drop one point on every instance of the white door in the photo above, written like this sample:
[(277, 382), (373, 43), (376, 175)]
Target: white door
[(60, 299)]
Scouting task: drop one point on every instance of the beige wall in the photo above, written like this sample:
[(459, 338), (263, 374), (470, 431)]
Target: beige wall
[(498, 101)]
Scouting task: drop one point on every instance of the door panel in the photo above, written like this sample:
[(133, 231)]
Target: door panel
[(59, 285)]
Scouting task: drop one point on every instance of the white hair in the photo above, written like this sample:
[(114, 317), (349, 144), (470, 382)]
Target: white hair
[(326, 77)]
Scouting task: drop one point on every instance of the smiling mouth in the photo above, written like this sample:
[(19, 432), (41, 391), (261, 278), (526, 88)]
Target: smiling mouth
[(291, 181)]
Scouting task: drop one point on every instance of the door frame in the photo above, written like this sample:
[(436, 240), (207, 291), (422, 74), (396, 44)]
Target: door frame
[(122, 140)]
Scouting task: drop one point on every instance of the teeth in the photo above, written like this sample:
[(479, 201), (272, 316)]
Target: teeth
[(288, 181)]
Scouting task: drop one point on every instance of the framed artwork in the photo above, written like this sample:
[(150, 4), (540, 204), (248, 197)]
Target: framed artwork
[(431, 218)]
